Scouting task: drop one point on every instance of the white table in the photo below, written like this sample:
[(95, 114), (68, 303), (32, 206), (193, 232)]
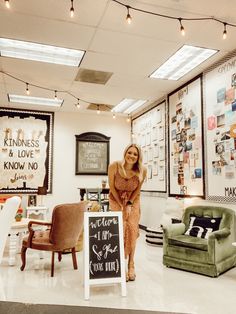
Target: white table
[(37, 210), (18, 230)]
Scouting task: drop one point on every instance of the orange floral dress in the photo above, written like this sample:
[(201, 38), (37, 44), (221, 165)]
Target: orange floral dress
[(125, 187)]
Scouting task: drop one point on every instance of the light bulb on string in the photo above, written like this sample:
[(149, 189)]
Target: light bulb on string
[(72, 10), (182, 30), (128, 118), (55, 95), (7, 4), (114, 116), (128, 16), (225, 31), (98, 109), (78, 104), (27, 89)]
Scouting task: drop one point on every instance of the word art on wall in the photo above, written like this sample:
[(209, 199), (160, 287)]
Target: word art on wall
[(26, 150), (185, 140), (220, 85), (149, 132)]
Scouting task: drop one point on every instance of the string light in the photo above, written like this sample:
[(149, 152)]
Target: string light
[(7, 4), (128, 17), (55, 92), (182, 30), (225, 31), (128, 118), (78, 104), (113, 116), (72, 10), (27, 89), (170, 17)]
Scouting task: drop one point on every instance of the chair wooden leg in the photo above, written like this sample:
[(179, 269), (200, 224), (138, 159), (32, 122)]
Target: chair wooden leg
[(23, 257), (74, 258), (59, 256), (52, 264)]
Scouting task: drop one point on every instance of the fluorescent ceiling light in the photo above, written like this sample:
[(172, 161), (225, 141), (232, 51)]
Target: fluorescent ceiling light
[(37, 52), (35, 100), (128, 105), (182, 62)]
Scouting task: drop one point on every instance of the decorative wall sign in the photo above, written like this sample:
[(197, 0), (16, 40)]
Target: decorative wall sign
[(149, 133), (185, 140), (92, 153), (220, 112), (25, 150), (103, 250)]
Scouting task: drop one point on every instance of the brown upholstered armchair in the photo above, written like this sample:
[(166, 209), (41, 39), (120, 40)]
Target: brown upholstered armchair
[(62, 233)]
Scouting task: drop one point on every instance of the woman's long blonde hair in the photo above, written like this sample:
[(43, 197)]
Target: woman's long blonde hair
[(138, 166)]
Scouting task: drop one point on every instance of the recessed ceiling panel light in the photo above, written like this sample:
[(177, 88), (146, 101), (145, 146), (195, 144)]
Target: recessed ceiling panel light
[(35, 100), (38, 52), (182, 62), (128, 105)]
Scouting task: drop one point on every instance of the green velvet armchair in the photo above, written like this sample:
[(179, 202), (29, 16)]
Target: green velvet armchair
[(210, 255)]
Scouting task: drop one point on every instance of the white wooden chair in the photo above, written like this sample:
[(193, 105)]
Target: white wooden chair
[(7, 215)]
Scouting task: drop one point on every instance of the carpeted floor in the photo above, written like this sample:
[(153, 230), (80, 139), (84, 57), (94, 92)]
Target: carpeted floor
[(25, 308)]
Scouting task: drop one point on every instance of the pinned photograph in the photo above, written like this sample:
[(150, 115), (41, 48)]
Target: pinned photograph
[(221, 95), (233, 131), (220, 148), (211, 123), (229, 96), (233, 80), (220, 120)]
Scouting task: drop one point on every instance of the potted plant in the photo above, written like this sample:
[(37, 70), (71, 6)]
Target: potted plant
[(19, 214)]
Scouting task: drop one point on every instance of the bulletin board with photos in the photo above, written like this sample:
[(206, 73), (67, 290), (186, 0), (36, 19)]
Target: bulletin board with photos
[(220, 112), (186, 140), (149, 133)]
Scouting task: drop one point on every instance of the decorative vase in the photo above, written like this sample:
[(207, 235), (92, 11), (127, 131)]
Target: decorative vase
[(18, 218)]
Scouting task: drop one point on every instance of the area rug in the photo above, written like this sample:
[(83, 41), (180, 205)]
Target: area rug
[(27, 308)]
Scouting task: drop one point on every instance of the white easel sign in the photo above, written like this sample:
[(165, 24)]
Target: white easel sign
[(103, 250)]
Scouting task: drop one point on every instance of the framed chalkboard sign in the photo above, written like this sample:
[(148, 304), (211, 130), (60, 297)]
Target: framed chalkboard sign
[(103, 250), (92, 154)]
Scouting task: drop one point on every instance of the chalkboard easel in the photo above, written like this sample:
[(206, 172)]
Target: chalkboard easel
[(103, 250)]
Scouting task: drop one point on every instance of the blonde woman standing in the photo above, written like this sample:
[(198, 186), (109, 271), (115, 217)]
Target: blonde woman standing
[(125, 180)]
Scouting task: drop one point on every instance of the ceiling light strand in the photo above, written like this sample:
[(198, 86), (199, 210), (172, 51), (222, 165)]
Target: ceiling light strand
[(180, 19), (225, 31), (182, 30), (7, 4), (72, 10), (128, 17), (55, 91)]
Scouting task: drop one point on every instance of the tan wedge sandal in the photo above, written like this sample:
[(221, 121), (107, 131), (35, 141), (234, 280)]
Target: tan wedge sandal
[(131, 272)]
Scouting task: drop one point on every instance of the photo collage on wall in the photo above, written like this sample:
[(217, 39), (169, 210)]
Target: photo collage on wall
[(148, 131), (185, 140), (220, 85)]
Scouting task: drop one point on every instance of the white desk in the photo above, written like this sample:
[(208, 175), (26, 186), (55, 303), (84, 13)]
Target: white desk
[(37, 210), (18, 230)]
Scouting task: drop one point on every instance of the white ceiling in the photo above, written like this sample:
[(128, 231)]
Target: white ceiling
[(131, 52)]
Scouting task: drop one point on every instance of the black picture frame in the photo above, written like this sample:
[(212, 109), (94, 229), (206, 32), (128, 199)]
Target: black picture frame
[(92, 154), (26, 144), (32, 200)]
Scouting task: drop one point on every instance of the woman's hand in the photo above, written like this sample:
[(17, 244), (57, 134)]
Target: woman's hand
[(129, 209)]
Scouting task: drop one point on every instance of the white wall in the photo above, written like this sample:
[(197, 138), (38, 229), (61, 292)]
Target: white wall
[(66, 126)]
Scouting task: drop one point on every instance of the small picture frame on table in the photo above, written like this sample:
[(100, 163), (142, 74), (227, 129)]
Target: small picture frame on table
[(32, 200)]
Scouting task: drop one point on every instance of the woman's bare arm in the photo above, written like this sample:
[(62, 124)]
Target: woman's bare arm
[(112, 169), (136, 192)]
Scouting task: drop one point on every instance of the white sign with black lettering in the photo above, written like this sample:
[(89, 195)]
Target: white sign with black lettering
[(103, 250)]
